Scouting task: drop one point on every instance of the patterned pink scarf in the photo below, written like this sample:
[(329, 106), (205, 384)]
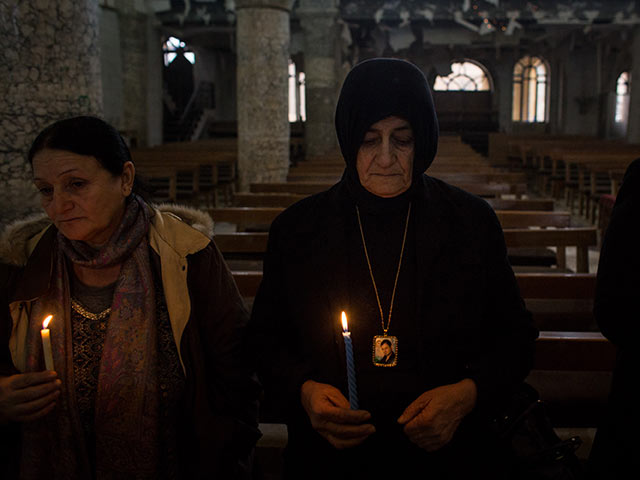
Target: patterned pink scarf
[(127, 399)]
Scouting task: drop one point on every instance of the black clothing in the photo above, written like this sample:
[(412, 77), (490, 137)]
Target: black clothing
[(469, 322), (617, 312)]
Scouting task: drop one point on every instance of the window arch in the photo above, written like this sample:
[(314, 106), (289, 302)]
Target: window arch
[(465, 76), (173, 47), (297, 109), (530, 90), (622, 98)]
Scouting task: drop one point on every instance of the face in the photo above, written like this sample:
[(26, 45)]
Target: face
[(386, 349), (84, 201), (385, 158)]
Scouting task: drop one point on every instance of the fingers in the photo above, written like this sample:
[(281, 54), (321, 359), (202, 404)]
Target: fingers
[(331, 417), (26, 397), (36, 408), (414, 409), (25, 380), (28, 394)]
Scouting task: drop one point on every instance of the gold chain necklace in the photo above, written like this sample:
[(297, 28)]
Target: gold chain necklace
[(78, 308), (385, 347)]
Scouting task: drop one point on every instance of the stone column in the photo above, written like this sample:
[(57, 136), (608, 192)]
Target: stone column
[(141, 73), (633, 129), (318, 21), (50, 70), (262, 43)]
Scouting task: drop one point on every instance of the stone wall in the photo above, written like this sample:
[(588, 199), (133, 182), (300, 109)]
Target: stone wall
[(50, 70)]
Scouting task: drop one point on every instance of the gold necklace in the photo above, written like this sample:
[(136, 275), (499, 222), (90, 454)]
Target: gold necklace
[(385, 347), (78, 308)]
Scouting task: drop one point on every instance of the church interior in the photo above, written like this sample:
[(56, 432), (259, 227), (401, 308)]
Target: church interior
[(228, 106)]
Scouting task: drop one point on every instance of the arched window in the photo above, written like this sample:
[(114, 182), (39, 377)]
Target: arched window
[(297, 111), (530, 90), (174, 46), (622, 98), (466, 76)]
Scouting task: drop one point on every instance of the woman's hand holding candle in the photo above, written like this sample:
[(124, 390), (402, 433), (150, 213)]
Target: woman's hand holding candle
[(331, 415), (28, 396)]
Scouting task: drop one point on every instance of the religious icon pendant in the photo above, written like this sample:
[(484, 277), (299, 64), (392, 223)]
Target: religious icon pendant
[(385, 351)]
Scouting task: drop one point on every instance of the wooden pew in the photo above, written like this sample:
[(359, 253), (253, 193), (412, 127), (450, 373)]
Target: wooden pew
[(288, 199), (253, 245), (555, 349), (558, 302), (203, 167), (509, 219), (581, 238), (309, 188)]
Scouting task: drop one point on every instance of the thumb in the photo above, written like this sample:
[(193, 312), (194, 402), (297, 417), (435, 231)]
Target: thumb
[(413, 410)]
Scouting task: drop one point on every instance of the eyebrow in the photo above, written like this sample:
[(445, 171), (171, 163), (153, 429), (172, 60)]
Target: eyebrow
[(59, 175), (401, 128)]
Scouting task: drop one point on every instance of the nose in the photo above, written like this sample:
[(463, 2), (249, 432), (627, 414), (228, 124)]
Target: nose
[(387, 154), (60, 203)]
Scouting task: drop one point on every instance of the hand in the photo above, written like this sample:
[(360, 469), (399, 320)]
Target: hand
[(432, 419), (28, 396), (331, 416)]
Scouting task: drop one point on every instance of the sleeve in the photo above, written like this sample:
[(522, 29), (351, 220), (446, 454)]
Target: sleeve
[(504, 356), (616, 306), (9, 433), (227, 428), (282, 368)]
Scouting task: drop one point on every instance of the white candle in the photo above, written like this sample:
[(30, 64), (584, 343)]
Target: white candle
[(46, 343)]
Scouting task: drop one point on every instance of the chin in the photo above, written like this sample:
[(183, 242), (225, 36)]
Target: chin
[(389, 191)]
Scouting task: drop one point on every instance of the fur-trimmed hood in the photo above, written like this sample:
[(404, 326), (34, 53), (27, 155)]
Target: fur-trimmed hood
[(17, 237)]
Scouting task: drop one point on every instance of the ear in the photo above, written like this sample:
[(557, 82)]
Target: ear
[(128, 176)]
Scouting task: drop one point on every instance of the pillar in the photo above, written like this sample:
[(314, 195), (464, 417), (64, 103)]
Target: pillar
[(633, 130), (50, 70), (318, 21), (262, 44)]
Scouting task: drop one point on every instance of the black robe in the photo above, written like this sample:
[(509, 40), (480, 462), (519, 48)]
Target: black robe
[(617, 311), (462, 317)]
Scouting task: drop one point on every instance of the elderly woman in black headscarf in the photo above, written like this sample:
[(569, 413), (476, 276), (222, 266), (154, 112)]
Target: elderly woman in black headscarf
[(412, 261)]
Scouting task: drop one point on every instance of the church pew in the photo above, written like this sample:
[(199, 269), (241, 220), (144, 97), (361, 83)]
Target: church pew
[(555, 349), (288, 199), (243, 216), (558, 302), (308, 188), (463, 176), (266, 199), (204, 167), (253, 245)]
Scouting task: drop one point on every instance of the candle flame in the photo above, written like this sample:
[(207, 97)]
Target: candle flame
[(45, 324), (345, 326)]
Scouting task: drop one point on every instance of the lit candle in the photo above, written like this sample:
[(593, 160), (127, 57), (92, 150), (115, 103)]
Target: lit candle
[(46, 343), (351, 370)]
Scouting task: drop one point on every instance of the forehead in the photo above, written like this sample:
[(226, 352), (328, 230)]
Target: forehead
[(391, 123), (49, 163)]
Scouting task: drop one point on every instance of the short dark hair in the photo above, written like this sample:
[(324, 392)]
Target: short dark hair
[(91, 136), (387, 342)]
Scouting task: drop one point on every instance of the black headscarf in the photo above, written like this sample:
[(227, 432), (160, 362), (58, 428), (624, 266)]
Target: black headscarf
[(379, 88)]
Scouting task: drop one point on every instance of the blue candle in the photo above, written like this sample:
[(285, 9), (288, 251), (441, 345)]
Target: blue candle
[(351, 370)]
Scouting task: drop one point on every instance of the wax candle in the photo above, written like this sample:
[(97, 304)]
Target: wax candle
[(351, 370), (46, 343)]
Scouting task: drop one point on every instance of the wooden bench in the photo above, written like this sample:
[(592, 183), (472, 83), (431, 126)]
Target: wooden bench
[(309, 188), (204, 168), (288, 199), (263, 216), (253, 245)]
